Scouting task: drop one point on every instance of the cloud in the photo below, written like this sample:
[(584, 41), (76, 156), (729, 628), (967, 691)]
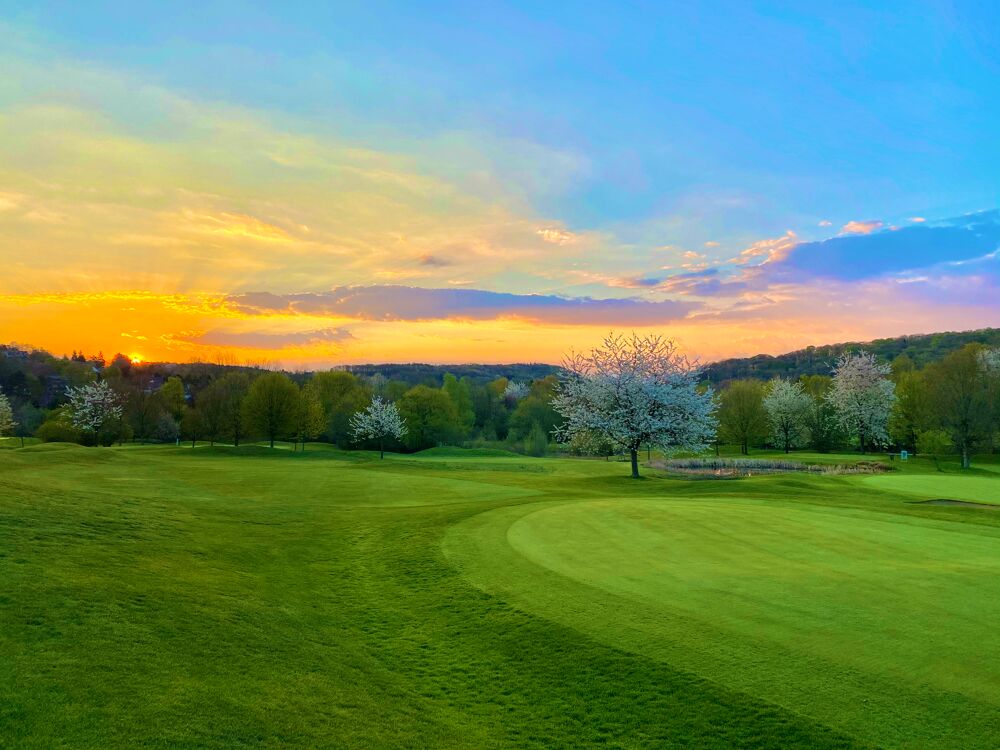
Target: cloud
[(825, 223), (11, 201), (231, 226), (769, 250), (712, 243), (556, 236), (862, 256), (265, 340), (706, 282), (917, 219), (861, 227), (434, 261), (403, 303), (229, 197)]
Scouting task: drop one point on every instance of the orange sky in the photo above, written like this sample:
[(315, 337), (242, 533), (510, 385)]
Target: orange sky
[(135, 217)]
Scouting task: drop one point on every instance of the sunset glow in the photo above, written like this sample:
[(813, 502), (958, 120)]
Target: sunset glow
[(142, 204)]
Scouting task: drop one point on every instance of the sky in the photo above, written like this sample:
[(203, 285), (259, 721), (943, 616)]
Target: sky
[(312, 184)]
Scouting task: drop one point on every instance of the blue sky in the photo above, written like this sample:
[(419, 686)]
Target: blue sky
[(642, 143)]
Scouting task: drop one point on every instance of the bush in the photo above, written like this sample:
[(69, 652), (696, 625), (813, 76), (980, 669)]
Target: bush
[(59, 430)]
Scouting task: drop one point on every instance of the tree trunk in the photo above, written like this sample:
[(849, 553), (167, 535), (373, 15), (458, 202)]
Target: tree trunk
[(966, 462), (272, 441), (635, 463), (381, 448)]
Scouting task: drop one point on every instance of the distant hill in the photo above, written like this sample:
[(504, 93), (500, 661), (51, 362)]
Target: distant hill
[(819, 360), (433, 375)]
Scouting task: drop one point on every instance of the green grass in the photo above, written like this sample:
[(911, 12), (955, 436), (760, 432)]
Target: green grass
[(218, 597), (975, 489)]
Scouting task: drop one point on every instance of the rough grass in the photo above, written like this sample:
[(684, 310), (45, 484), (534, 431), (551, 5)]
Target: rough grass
[(748, 466), (170, 597)]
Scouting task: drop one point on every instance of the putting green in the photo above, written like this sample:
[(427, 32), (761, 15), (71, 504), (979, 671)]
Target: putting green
[(873, 623), (941, 486)]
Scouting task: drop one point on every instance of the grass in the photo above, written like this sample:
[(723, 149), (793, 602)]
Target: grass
[(169, 597), (976, 489)]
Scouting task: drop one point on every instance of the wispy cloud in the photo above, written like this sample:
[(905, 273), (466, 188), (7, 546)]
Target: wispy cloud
[(265, 339), (861, 227), (402, 303)]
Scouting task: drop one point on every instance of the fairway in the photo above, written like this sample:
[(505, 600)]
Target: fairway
[(170, 597)]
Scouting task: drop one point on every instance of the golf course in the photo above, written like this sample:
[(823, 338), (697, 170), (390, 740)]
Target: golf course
[(162, 596)]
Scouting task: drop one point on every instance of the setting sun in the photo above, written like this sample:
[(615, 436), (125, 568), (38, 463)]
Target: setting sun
[(136, 359)]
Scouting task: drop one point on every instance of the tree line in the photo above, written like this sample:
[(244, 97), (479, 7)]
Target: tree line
[(951, 405), (921, 349), (627, 394), (94, 402)]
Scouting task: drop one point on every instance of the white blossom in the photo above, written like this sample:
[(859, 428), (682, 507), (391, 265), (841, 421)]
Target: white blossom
[(633, 392), (862, 396), (787, 407), (989, 360), (94, 405), (514, 392), (380, 420), (7, 423)]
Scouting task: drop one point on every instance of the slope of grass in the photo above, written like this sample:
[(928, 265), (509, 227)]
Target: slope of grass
[(974, 489), (177, 597)]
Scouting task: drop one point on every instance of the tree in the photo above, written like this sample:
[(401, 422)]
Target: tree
[(742, 418), (309, 417), (933, 443), (221, 405), (960, 392), (862, 396), (461, 395), (7, 423), (193, 425), (93, 406), (430, 416), (27, 419), (531, 411), (341, 395), (167, 430), (787, 407), (821, 419), (989, 360), (380, 421), (537, 441), (172, 396), (514, 392), (912, 411), (270, 406), (633, 391), (144, 407)]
